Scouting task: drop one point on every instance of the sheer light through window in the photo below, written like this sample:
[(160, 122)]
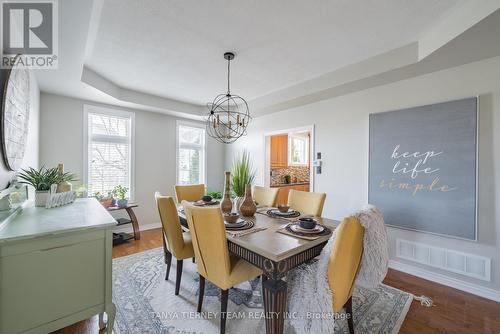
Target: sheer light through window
[(109, 150), (298, 149), (190, 154)]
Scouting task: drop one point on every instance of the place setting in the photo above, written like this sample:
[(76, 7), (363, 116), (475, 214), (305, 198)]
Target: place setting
[(238, 227), (282, 211), (305, 228), (206, 201)]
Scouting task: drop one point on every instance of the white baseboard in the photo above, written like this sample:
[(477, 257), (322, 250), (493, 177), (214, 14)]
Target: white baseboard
[(142, 227), (472, 288)]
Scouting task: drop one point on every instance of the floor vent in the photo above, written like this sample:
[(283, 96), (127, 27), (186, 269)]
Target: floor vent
[(457, 262)]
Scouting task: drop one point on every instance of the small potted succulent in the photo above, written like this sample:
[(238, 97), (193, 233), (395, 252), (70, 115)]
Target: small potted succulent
[(105, 200), (41, 179), (120, 193)]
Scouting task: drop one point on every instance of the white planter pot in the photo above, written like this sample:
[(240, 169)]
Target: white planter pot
[(237, 203), (41, 198)]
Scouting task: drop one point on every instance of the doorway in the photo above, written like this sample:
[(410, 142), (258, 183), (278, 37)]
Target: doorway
[(289, 156)]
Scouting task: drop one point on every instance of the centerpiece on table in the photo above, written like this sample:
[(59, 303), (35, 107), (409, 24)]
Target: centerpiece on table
[(241, 184), (41, 179)]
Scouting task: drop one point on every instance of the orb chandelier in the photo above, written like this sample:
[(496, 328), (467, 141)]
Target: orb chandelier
[(229, 115)]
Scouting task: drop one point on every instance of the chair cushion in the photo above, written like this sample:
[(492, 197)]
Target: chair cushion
[(241, 271), (187, 251)]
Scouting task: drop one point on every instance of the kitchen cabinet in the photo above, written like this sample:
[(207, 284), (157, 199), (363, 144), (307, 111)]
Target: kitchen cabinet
[(279, 151), (285, 189)]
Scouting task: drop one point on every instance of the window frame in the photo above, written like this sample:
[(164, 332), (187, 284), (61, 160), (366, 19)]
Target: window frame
[(94, 109), (306, 140), (201, 126)]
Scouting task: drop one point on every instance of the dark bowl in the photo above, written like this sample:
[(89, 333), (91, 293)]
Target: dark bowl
[(307, 223), (283, 208), (231, 218), (207, 199)]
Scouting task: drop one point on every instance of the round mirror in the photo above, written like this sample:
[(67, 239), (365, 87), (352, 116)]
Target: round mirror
[(15, 116)]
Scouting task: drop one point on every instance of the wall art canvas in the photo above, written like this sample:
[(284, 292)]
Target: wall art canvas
[(423, 167)]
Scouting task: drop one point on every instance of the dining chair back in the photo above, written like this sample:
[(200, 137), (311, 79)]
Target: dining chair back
[(175, 241), (209, 242), (212, 255), (265, 196), (307, 202), (344, 264), (189, 193)]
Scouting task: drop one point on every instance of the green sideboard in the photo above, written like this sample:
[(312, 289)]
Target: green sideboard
[(56, 268)]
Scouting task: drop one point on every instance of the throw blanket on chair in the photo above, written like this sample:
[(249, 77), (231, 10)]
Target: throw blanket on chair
[(309, 291)]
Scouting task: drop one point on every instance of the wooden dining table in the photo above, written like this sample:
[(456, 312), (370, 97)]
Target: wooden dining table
[(276, 254)]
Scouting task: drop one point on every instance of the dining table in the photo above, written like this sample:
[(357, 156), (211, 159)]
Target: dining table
[(276, 254)]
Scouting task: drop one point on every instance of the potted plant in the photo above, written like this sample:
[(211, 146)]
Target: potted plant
[(41, 179), (215, 194), (243, 174), (120, 193), (105, 200)]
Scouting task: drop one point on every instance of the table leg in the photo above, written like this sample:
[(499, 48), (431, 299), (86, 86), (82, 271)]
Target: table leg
[(274, 294), (135, 223)]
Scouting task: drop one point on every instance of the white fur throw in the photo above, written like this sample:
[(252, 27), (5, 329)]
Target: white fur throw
[(309, 294), (375, 260)]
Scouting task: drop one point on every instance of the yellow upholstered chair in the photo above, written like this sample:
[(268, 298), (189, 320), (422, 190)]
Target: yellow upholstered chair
[(212, 255), (265, 196), (175, 241), (306, 202), (344, 264), (189, 193)]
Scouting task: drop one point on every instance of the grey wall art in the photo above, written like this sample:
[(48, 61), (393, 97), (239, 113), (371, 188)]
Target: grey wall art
[(423, 167)]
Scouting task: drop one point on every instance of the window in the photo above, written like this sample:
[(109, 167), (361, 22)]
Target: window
[(298, 149), (190, 153), (109, 150)]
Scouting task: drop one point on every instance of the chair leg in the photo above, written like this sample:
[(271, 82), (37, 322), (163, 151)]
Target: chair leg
[(224, 294), (178, 278), (168, 261), (201, 293), (350, 321), (194, 260)]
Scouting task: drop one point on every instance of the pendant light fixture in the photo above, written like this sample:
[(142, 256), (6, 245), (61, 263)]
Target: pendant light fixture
[(229, 115)]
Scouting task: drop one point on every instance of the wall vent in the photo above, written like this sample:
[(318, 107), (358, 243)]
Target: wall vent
[(457, 262)]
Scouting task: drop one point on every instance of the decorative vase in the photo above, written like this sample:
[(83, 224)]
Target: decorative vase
[(41, 197), (226, 205), (248, 207)]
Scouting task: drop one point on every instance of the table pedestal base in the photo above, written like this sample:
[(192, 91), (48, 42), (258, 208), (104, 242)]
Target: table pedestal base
[(274, 293)]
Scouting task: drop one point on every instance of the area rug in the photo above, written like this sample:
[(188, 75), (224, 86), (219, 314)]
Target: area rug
[(146, 303)]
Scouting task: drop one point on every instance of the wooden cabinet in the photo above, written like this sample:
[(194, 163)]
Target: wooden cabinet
[(284, 190), (279, 151)]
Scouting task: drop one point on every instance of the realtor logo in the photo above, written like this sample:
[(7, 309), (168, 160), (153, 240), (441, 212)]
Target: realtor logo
[(29, 29)]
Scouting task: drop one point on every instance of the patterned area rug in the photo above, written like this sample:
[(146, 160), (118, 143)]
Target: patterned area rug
[(146, 302)]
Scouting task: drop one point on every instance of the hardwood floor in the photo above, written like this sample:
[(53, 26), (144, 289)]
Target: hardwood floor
[(455, 311)]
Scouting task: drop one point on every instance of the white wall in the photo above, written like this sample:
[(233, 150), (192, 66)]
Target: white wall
[(31, 155), (341, 135), (61, 140)]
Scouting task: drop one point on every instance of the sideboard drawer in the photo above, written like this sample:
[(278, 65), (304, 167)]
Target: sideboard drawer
[(41, 285)]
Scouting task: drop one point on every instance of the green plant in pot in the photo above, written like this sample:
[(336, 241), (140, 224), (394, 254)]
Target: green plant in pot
[(242, 175), (41, 179), (215, 194), (105, 200), (120, 193)]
